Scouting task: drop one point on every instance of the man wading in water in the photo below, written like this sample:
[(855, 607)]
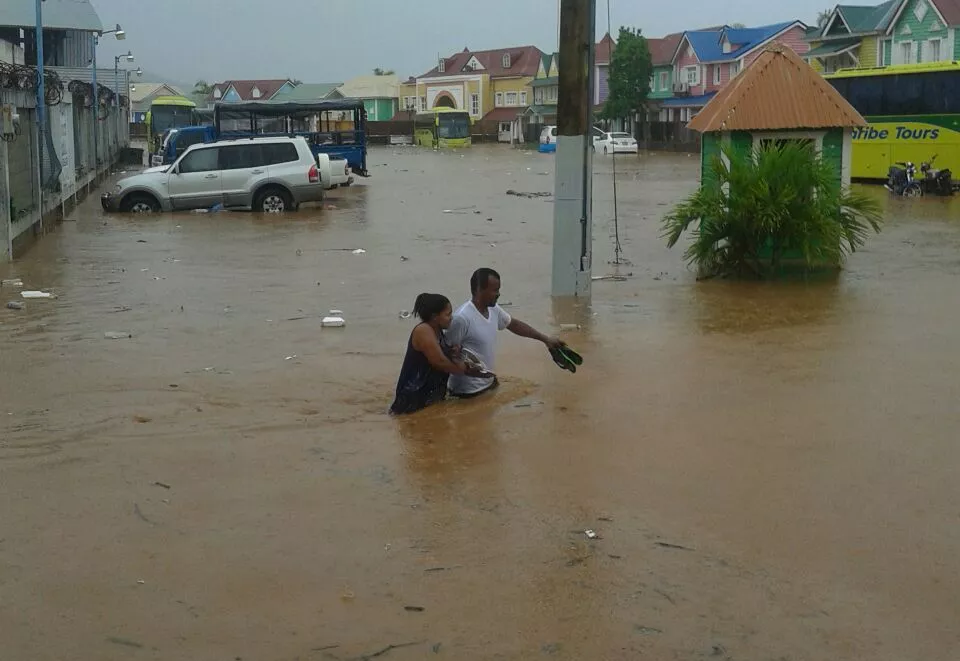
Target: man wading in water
[(474, 327)]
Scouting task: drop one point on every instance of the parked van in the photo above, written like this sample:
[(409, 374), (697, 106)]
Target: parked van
[(548, 140)]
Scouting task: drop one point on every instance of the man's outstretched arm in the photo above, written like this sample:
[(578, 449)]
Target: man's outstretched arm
[(524, 329)]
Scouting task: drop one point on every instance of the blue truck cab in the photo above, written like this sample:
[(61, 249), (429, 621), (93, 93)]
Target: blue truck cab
[(176, 141)]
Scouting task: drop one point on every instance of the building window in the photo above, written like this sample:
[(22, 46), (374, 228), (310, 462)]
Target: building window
[(523, 98), (716, 74), (423, 103), (510, 99), (734, 69), (475, 104), (906, 52), (255, 92), (664, 80), (442, 65), (538, 96), (552, 94), (498, 99), (691, 75), (934, 51), (506, 61), (920, 10)]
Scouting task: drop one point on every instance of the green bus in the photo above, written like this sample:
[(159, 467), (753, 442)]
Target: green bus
[(913, 111), (168, 112), (442, 128)]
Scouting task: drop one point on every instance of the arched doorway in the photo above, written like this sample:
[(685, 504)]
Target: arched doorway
[(444, 100)]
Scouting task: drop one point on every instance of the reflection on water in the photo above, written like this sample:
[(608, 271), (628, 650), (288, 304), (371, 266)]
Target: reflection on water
[(738, 307)]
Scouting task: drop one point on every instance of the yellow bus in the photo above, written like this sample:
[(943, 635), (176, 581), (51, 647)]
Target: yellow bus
[(913, 111), (442, 128)]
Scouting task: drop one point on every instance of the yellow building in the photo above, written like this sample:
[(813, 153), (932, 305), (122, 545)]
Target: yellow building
[(493, 86), (852, 37)]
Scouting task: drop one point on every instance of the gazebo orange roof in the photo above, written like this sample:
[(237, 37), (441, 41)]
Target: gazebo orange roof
[(778, 92)]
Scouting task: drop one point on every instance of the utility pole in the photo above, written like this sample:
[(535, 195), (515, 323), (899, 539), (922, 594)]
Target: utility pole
[(573, 207), (41, 110), (96, 111)]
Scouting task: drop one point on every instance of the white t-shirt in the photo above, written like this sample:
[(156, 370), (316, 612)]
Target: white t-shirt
[(471, 330)]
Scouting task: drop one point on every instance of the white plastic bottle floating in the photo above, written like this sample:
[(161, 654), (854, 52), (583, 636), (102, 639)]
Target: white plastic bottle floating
[(333, 322)]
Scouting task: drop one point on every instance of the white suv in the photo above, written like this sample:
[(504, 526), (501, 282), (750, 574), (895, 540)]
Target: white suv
[(266, 174)]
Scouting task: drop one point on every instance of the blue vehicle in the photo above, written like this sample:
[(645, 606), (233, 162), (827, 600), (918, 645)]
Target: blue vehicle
[(336, 128)]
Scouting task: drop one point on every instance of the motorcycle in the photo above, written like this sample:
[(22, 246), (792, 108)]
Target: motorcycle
[(935, 182), (901, 180)]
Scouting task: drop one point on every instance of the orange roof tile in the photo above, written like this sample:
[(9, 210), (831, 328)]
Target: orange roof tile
[(779, 91)]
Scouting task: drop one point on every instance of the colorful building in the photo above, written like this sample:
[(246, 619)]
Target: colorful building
[(852, 37), (661, 56), (923, 31), (546, 84), (491, 85), (704, 61), (233, 91), (546, 90), (895, 32), (379, 95)]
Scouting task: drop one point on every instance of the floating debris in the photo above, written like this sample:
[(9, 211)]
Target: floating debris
[(13, 282), (527, 195), (359, 251), (333, 322), (117, 335), (14, 305), (36, 294)]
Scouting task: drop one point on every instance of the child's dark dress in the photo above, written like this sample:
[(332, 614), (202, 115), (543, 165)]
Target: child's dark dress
[(419, 385)]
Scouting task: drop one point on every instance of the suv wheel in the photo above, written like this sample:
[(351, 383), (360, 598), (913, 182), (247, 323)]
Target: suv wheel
[(273, 200), (140, 204)]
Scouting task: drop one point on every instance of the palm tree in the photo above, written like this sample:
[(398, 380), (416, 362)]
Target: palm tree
[(202, 87), (755, 209), (383, 72), (823, 17)]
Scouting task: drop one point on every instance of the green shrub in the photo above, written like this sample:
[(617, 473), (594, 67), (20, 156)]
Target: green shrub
[(780, 202)]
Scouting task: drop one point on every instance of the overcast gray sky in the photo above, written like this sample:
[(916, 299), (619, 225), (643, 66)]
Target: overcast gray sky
[(333, 40)]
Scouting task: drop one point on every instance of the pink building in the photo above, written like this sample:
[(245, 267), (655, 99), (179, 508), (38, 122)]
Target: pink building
[(705, 60)]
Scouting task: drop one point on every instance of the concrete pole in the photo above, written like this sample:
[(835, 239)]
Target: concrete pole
[(96, 110), (573, 208), (41, 111), (6, 229)]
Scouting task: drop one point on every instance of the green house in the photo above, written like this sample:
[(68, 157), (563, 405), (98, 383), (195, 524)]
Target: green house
[(779, 98)]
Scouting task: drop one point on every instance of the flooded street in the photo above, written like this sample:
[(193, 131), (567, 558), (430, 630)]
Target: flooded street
[(771, 468)]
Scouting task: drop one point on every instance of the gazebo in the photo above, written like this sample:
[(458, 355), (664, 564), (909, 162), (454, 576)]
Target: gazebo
[(778, 98)]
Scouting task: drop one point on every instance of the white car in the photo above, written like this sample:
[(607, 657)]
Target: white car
[(339, 171), (615, 143), (266, 174)]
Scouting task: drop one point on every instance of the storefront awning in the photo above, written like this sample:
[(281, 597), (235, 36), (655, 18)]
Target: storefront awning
[(542, 110), (687, 101), (832, 48)]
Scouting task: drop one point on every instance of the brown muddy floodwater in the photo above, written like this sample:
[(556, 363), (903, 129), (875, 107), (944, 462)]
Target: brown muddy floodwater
[(772, 469)]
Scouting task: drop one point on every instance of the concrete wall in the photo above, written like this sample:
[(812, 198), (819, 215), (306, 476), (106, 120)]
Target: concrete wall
[(70, 124), (11, 53)]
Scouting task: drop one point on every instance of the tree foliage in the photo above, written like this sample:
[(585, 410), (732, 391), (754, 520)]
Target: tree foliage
[(202, 87), (630, 70), (383, 72), (823, 17), (756, 208)]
